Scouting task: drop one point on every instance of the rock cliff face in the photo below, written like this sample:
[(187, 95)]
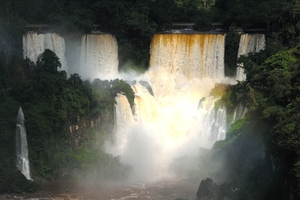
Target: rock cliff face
[(208, 189), (81, 128), (247, 168), (87, 128)]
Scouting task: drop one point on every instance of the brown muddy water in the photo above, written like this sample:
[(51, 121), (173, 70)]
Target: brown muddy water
[(105, 190)]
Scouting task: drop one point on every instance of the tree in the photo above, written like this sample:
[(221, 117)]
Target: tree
[(75, 79), (48, 61)]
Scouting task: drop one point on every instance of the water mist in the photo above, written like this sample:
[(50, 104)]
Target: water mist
[(178, 117), (99, 56)]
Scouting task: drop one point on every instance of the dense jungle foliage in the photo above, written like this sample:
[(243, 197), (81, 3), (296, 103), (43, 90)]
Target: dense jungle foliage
[(262, 149), (67, 119), (134, 22)]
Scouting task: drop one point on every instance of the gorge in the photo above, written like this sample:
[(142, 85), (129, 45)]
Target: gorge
[(147, 99), (178, 116)]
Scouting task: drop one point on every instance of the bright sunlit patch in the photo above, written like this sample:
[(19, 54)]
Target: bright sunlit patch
[(174, 114), (170, 123)]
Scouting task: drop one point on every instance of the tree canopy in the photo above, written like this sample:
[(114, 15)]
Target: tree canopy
[(62, 118), (271, 93)]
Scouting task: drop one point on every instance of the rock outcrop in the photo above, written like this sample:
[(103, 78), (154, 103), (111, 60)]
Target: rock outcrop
[(210, 190)]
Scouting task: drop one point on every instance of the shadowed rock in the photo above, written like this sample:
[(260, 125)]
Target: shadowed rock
[(210, 190)]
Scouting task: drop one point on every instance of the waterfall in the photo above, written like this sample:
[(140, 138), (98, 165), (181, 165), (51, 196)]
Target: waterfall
[(123, 121), (21, 146), (249, 43), (34, 44), (239, 112), (99, 56), (168, 121), (98, 53), (213, 123), (193, 55)]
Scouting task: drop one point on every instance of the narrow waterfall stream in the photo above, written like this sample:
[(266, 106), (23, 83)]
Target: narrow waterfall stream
[(249, 43), (21, 146)]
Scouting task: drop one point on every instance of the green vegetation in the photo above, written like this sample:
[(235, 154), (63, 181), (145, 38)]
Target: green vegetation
[(62, 116), (268, 136), (218, 90), (65, 136), (132, 22), (231, 51)]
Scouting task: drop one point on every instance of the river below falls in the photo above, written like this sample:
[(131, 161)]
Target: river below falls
[(106, 190)]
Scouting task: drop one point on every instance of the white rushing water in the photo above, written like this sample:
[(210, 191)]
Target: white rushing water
[(34, 44), (239, 112), (99, 56), (21, 146), (180, 117), (249, 43), (193, 55)]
